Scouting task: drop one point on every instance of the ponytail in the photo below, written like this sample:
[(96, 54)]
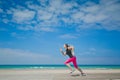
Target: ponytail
[(67, 45)]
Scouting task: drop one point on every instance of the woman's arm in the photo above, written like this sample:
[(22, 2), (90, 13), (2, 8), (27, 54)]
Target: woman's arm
[(64, 53)]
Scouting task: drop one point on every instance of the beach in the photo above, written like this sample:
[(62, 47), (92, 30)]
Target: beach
[(58, 74)]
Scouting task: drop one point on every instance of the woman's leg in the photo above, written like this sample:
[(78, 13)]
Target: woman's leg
[(80, 70), (67, 63), (76, 66)]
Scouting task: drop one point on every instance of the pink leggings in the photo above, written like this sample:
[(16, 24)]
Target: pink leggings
[(73, 59)]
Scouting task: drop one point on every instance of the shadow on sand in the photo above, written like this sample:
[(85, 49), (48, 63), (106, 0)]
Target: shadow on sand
[(75, 75)]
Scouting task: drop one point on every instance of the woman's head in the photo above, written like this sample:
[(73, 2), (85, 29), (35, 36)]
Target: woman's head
[(66, 46)]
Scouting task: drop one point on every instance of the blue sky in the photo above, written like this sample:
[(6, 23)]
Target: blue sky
[(33, 31)]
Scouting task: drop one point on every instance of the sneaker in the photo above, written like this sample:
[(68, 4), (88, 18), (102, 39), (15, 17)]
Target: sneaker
[(83, 74), (72, 71)]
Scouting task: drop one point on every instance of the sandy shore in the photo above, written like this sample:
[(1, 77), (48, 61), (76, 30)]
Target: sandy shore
[(58, 74)]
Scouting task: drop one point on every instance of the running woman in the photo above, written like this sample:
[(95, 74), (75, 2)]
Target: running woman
[(70, 52)]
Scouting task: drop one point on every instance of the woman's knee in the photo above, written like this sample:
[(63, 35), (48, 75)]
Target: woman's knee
[(65, 63)]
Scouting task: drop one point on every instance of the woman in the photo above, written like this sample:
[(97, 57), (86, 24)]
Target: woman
[(70, 52)]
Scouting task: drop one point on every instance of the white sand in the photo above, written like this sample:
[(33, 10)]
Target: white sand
[(58, 74)]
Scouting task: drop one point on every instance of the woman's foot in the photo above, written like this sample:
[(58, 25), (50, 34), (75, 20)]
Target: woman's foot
[(72, 71), (83, 74)]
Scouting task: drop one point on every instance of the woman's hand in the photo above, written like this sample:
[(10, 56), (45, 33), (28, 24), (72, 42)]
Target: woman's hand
[(61, 50)]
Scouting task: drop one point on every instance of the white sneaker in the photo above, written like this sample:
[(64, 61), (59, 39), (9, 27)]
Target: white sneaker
[(83, 74), (72, 71)]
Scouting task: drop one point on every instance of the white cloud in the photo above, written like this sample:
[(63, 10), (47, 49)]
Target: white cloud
[(5, 21), (49, 14), (90, 51), (43, 2), (44, 15), (18, 36), (99, 60), (36, 28), (68, 36), (21, 16), (48, 29), (46, 19), (78, 16), (17, 56), (88, 26), (107, 15), (25, 28)]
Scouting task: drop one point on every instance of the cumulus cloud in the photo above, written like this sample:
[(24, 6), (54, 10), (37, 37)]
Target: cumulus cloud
[(105, 13), (54, 13), (44, 15), (21, 16)]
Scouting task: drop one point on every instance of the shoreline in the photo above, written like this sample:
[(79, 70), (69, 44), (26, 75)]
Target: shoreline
[(101, 67)]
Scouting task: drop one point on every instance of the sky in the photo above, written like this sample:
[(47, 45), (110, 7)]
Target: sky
[(33, 31)]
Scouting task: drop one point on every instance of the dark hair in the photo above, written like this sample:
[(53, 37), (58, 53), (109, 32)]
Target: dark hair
[(66, 45)]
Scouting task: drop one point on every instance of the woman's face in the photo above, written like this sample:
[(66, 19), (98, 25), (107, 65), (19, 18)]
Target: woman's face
[(65, 46)]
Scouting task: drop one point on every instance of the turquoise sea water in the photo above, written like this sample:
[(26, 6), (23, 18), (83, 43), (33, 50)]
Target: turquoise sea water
[(58, 66)]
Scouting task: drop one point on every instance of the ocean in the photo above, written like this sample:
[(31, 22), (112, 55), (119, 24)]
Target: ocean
[(58, 66)]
